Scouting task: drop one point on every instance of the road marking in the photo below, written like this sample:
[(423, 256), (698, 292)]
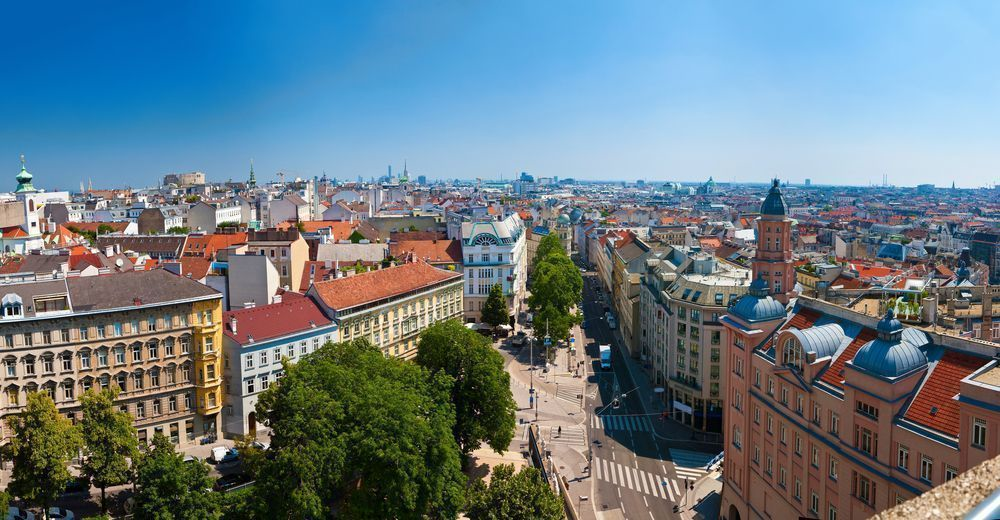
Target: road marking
[(654, 486), (628, 477), (646, 501), (642, 478), (614, 479), (597, 469), (689, 472), (664, 485), (604, 467), (676, 487), (621, 474)]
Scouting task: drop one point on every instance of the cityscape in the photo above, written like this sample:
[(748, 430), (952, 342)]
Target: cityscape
[(273, 326)]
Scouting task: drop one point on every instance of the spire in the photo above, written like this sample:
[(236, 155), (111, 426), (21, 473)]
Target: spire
[(252, 182), (24, 179)]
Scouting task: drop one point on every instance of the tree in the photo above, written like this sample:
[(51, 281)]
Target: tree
[(484, 407), (179, 230), (546, 246), (495, 310), (191, 199), (363, 435), (300, 226), (43, 442), (356, 237), (514, 496), (169, 488), (109, 441), (104, 229)]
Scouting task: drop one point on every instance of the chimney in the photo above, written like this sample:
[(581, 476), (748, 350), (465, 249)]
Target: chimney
[(276, 298), (109, 250), (232, 324), (249, 305), (136, 301)]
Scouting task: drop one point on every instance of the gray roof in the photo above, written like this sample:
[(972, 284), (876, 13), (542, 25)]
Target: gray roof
[(823, 340), (142, 244), (96, 293), (774, 204), (751, 308), (894, 353), (28, 291)]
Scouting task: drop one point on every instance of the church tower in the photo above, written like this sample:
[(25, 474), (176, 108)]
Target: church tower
[(773, 260), (252, 181)]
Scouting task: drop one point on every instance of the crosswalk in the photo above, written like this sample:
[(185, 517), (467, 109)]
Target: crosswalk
[(636, 479), (571, 435), (569, 392), (635, 423)]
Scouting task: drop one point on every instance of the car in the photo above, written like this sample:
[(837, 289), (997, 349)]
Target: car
[(16, 513), (77, 486), (232, 455), (58, 513), (190, 458), (227, 482), (217, 454)]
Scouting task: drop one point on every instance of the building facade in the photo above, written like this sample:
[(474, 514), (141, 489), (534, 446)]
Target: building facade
[(390, 306), (255, 342), (494, 251), (286, 249), (151, 334)]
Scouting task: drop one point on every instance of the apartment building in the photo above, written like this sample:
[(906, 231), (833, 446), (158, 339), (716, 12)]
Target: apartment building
[(494, 252), (152, 334), (390, 306), (286, 249), (683, 297), (255, 342)]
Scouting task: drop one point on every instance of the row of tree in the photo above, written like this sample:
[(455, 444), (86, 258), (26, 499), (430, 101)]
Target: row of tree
[(556, 289), (354, 434)]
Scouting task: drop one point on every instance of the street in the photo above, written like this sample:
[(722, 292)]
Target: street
[(639, 463)]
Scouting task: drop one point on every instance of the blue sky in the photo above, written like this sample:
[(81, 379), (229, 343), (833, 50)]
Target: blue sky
[(122, 93)]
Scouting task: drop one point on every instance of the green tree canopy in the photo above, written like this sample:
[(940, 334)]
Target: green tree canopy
[(109, 441), (484, 407), (168, 488), (356, 237), (556, 282), (514, 496), (548, 245), (495, 310), (368, 435), (43, 441), (179, 230)]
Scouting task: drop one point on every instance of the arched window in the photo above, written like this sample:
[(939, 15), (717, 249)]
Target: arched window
[(792, 353)]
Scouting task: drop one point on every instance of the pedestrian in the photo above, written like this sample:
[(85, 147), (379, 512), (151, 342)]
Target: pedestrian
[(560, 431)]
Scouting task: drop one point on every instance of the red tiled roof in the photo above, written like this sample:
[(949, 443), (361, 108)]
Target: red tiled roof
[(320, 270), (13, 232), (939, 391), (351, 291), (341, 229), (431, 251), (803, 319), (835, 374), (207, 245), (274, 320), (118, 227)]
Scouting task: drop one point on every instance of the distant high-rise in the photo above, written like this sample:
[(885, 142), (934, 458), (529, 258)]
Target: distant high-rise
[(809, 182), (422, 180)]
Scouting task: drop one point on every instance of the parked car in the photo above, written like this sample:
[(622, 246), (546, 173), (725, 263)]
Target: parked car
[(58, 513), (227, 482), (77, 486), (222, 455), (16, 513), (190, 458)]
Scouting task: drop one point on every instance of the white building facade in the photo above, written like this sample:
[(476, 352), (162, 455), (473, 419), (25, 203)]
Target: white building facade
[(494, 251)]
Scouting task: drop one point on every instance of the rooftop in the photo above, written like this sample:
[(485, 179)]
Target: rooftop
[(294, 314), (351, 291)]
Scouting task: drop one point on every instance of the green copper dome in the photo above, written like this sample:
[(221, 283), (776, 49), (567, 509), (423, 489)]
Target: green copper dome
[(774, 204), (24, 179)]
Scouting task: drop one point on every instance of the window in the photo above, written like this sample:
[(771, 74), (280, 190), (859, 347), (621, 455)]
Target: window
[(816, 414), (249, 361), (770, 424), (65, 335), (814, 457), (950, 473), (209, 345), (250, 386), (11, 365), (756, 377), (814, 504), (833, 468), (122, 382), (797, 490), (67, 361), (185, 346), (154, 378), (68, 391), (903, 458), (151, 324), (117, 330), (831, 513), (263, 357), (737, 437), (783, 437), (83, 333), (979, 433), (798, 444), (781, 477), (264, 382), (185, 373), (784, 395), (168, 347), (102, 358), (769, 466), (156, 407), (867, 410), (153, 350), (85, 360), (137, 380), (172, 404), (834, 423), (136, 353), (140, 410), (187, 401), (770, 385), (865, 440), (756, 455), (47, 365), (756, 414), (864, 489), (926, 468), (302, 347)]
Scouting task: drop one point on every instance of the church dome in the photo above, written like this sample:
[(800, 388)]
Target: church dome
[(889, 355), (757, 305), (563, 220), (774, 204)]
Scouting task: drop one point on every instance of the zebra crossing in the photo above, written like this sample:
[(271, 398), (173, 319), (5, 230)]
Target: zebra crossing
[(635, 423), (569, 392), (636, 479), (571, 435)]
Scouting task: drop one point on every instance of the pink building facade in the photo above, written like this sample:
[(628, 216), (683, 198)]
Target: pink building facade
[(832, 414)]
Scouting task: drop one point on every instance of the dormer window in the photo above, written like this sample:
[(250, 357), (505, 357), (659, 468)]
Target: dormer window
[(12, 306), (791, 354)]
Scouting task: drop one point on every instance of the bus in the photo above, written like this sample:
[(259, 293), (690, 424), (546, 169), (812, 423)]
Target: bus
[(605, 351)]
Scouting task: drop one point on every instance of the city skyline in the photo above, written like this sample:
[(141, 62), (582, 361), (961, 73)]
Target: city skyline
[(633, 91)]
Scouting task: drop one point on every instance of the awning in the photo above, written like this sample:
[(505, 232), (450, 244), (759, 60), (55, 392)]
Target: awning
[(682, 407)]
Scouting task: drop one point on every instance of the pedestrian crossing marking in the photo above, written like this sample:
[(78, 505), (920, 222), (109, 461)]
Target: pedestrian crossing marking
[(621, 422), (572, 435), (638, 480)]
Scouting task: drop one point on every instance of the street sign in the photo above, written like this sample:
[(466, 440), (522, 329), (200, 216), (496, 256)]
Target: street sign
[(548, 341), (572, 340)]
